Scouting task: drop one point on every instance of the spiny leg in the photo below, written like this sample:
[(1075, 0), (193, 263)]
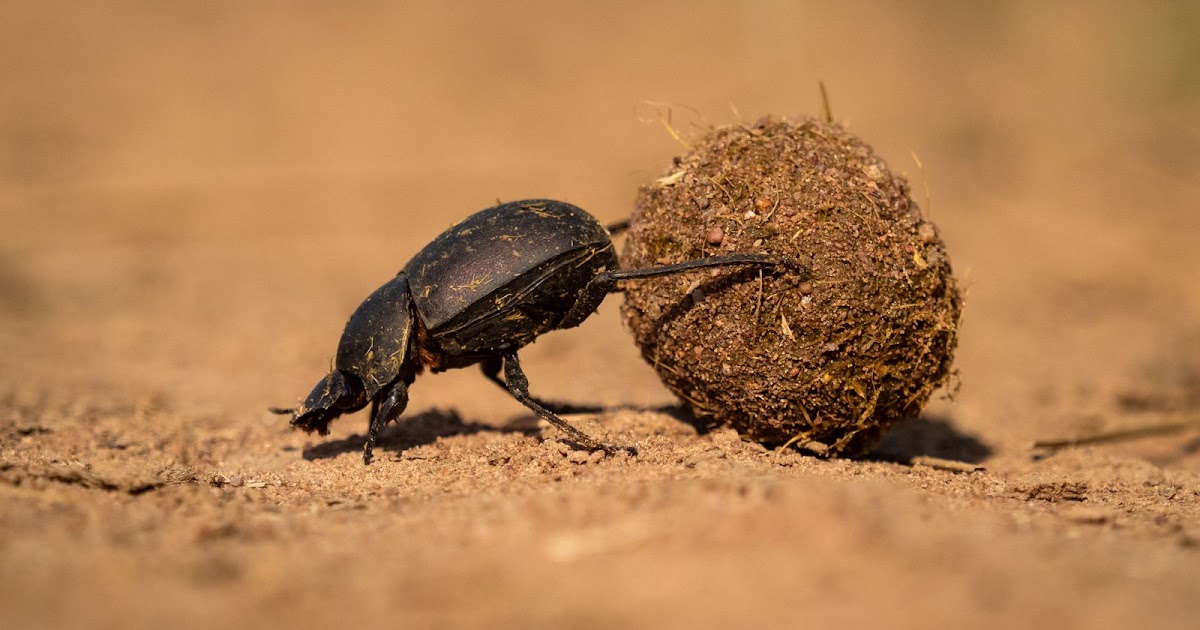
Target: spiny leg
[(491, 367), (518, 385), (603, 284), (384, 412)]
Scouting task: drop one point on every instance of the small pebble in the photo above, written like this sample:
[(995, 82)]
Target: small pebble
[(714, 235), (927, 232)]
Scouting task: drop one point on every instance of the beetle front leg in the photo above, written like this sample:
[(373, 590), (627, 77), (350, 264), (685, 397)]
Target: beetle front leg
[(384, 412), (518, 385)]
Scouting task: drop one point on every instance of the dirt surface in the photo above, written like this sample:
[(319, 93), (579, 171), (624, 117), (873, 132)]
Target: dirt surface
[(195, 196)]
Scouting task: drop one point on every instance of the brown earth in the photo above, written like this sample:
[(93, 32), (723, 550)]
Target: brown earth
[(194, 196)]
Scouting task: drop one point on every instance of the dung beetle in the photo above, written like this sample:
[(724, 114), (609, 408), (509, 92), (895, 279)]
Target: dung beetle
[(478, 293)]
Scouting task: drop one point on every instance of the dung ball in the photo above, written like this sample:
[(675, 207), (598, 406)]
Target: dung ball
[(828, 353)]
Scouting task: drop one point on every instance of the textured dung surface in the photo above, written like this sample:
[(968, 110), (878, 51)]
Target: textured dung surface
[(832, 358)]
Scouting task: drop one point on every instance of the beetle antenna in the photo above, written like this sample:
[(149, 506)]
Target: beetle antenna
[(281, 411)]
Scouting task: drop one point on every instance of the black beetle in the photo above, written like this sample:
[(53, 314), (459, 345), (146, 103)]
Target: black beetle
[(478, 293)]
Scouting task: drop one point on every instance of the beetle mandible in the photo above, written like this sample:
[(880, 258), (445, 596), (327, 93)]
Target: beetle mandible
[(478, 293)]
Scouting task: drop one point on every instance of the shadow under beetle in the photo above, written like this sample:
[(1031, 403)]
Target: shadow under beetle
[(478, 293)]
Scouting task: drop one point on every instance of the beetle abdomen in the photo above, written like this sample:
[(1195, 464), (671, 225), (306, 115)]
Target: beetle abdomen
[(527, 306), (494, 248)]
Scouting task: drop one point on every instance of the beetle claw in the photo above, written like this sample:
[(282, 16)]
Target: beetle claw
[(611, 450)]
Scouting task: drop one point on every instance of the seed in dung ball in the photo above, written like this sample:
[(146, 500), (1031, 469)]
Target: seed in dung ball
[(829, 352)]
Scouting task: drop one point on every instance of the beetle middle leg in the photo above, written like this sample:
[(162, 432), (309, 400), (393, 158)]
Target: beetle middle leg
[(384, 412), (491, 367), (518, 385)]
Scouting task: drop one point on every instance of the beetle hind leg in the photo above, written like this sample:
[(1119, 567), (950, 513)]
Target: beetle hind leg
[(517, 384), (605, 283)]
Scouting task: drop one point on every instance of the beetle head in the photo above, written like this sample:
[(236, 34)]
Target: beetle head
[(333, 395)]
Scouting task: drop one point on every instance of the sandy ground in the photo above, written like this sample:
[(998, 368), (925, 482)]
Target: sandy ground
[(195, 195)]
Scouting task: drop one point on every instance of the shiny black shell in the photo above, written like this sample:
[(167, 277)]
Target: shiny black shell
[(505, 275), (375, 343)]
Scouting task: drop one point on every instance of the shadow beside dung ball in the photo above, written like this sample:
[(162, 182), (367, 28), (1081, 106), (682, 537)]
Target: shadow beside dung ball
[(828, 359)]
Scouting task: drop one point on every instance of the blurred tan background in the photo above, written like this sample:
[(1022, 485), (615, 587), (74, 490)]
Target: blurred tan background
[(1058, 147), (194, 195)]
